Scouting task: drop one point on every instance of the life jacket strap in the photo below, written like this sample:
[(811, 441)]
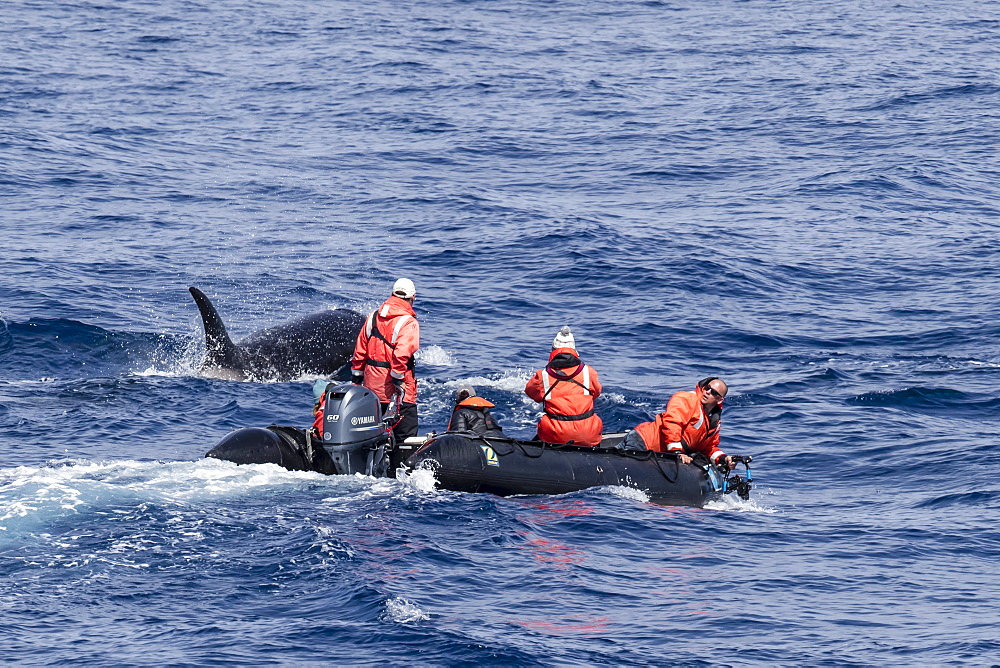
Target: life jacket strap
[(411, 364), (560, 378), (570, 418), (373, 330)]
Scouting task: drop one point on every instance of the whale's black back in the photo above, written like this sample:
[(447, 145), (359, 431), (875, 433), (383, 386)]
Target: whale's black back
[(320, 344)]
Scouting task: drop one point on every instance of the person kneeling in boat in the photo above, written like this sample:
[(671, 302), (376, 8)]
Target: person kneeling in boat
[(472, 414), (566, 387), (691, 424)]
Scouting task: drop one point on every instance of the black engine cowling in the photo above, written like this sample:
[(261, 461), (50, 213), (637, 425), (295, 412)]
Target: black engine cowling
[(353, 432)]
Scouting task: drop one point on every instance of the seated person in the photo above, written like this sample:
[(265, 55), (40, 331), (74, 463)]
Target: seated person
[(472, 414), (566, 388), (691, 423)]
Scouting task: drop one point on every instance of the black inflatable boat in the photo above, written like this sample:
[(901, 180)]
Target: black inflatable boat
[(505, 467), (357, 439)]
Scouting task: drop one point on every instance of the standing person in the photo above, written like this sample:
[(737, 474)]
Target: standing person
[(691, 423), (383, 355), (566, 387)]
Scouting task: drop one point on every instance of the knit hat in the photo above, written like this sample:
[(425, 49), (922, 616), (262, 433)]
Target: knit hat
[(404, 288), (564, 339)]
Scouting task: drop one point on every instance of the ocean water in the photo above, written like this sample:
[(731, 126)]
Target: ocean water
[(799, 197)]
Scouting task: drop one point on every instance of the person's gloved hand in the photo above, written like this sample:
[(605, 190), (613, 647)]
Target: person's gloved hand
[(357, 377)]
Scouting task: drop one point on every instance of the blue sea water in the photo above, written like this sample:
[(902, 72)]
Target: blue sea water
[(799, 197)]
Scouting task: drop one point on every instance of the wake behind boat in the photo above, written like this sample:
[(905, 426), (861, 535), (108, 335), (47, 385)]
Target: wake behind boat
[(357, 439)]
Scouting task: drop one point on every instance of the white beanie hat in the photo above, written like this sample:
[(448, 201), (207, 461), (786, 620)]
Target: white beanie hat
[(404, 288), (564, 339)]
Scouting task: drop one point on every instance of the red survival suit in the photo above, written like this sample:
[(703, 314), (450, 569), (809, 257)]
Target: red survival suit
[(567, 392), (684, 427), (384, 350)]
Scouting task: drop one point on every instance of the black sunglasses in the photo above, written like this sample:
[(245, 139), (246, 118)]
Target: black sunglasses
[(718, 395)]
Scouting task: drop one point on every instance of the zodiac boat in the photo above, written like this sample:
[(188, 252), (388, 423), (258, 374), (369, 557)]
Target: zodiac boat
[(356, 438)]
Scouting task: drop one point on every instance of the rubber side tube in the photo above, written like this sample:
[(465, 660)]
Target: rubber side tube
[(506, 468), (256, 445)]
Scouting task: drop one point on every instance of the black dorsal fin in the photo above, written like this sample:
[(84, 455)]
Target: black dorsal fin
[(220, 351)]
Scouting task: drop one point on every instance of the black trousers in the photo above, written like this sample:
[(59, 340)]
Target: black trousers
[(407, 425), (632, 441), (405, 428)]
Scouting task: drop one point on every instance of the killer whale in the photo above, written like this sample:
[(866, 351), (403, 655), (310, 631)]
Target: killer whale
[(320, 343)]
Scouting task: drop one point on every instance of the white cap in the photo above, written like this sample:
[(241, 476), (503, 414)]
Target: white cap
[(564, 339), (404, 288)]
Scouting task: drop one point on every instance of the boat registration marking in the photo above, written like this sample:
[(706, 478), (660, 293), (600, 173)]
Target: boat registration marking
[(491, 456)]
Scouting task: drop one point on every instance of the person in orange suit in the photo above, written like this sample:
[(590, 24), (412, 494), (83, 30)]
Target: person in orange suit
[(691, 423), (566, 388), (384, 352)]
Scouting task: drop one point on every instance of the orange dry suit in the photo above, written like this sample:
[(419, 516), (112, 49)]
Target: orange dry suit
[(384, 350), (684, 427), (567, 387)]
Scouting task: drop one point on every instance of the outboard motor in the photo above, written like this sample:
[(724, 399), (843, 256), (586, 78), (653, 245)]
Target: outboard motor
[(353, 431)]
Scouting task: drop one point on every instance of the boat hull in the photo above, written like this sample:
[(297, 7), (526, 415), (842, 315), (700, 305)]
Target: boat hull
[(508, 467), (285, 446), (465, 463)]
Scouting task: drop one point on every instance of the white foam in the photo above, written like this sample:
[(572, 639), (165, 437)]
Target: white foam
[(512, 380), (421, 479), (435, 355), (402, 611), (628, 493), (32, 495), (43, 379), (733, 503), (351, 489), (166, 373), (166, 364)]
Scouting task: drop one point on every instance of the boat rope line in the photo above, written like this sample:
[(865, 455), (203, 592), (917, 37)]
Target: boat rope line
[(677, 469), (645, 455), (518, 445), (637, 455), (285, 434), (540, 451), (491, 442), (309, 447)]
